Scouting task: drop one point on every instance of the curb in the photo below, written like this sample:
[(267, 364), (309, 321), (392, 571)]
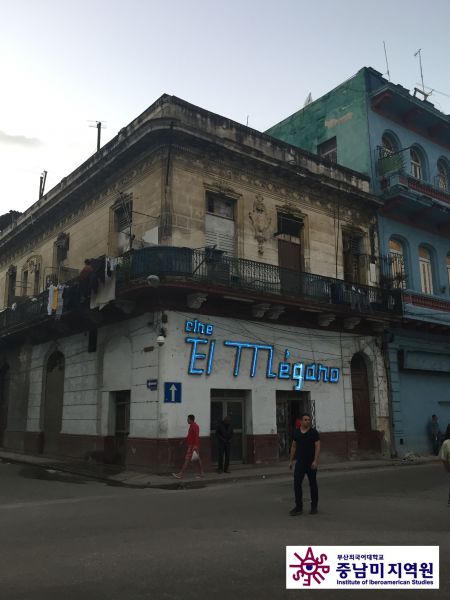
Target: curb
[(202, 483)]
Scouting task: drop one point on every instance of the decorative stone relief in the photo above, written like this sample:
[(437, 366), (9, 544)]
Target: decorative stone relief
[(260, 222)]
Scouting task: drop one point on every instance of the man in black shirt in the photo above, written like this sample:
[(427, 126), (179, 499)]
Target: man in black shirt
[(305, 450)]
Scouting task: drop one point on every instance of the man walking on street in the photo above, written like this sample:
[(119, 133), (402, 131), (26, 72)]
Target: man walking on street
[(435, 434), (305, 450), (224, 433), (445, 455), (193, 446)]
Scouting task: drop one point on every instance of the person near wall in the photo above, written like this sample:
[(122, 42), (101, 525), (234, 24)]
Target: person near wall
[(435, 434), (224, 434), (193, 449), (305, 450), (85, 279), (444, 455)]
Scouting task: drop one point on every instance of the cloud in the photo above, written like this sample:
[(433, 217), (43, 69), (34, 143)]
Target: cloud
[(19, 140)]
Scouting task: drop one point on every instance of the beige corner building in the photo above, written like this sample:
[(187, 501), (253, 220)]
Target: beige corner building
[(231, 274)]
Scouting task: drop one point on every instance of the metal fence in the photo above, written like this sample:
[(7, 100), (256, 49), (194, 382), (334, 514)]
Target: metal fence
[(212, 267), (24, 311)]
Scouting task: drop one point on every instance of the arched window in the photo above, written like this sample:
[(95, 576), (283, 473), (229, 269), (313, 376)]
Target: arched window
[(388, 144), (397, 263), (426, 276), (417, 169), (443, 174)]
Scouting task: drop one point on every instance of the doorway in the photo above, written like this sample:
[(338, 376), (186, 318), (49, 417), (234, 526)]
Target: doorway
[(361, 402), (4, 400), (53, 402), (289, 408), (290, 264), (229, 403), (122, 426)]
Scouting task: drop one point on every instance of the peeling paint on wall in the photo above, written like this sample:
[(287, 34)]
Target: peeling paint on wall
[(334, 122)]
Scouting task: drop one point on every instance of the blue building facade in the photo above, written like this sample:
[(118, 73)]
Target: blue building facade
[(402, 142)]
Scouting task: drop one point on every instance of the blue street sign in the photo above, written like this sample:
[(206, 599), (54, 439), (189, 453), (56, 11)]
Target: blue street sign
[(172, 392)]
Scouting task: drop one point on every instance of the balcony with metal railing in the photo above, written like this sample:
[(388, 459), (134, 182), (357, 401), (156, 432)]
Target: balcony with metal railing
[(217, 274), (393, 170), (213, 269)]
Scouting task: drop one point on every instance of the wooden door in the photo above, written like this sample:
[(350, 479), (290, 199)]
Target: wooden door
[(290, 263), (361, 402)]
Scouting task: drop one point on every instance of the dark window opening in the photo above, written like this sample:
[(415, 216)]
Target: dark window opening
[(92, 341), (289, 225), (220, 206), (328, 150), (61, 248), (11, 285)]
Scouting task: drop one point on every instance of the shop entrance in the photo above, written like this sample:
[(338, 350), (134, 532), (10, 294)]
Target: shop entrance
[(231, 403), (290, 406)]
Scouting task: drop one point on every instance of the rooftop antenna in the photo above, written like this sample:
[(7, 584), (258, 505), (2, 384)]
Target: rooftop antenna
[(247, 120), (98, 125), (419, 52), (42, 181), (387, 64)]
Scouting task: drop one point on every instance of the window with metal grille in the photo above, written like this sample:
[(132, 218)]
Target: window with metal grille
[(328, 149), (123, 213), (397, 264), (352, 253)]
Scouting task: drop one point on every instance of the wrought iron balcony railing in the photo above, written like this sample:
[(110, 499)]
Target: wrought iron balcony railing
[(24, 311), (393, 169), (213, 269)]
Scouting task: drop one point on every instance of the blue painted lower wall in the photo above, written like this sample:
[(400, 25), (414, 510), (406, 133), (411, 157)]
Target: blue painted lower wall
[(420, 386)]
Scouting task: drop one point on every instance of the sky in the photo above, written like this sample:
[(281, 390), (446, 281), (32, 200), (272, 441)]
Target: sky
[(66, 64)]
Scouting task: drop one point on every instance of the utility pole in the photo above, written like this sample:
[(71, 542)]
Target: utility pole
[(98, 125)]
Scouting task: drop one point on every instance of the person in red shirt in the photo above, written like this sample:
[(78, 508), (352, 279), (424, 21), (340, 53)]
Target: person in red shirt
[(193, 445)]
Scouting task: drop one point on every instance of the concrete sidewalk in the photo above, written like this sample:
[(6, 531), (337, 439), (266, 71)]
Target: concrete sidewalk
[(114, 475)]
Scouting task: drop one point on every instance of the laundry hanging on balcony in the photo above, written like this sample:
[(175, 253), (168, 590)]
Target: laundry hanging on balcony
[(55, 303)]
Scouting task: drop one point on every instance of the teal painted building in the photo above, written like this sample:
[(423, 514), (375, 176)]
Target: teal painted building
[(402, 142)]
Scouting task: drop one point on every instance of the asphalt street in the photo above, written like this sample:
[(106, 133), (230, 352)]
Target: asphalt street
[(69, 538)]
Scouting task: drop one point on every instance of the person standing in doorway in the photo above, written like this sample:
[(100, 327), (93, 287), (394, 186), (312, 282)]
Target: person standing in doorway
[(435, 434), (193, 449), (305, 450), (224, 433), (444, 455)]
